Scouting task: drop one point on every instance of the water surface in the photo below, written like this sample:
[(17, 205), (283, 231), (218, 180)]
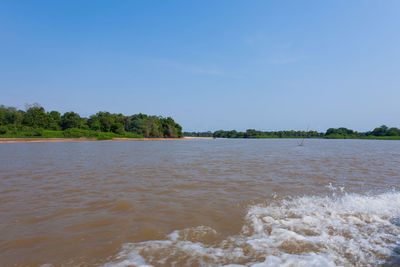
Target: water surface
[(200, 202)]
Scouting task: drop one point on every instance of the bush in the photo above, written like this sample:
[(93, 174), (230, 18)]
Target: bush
[(117, 128), (30, 131), (12, 129), (52, 134), (104, 138), (76, 133), (54, 126), (3, 129)]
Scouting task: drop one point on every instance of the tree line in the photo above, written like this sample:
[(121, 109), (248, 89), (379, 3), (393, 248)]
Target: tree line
[(382, 132), (35, 121)]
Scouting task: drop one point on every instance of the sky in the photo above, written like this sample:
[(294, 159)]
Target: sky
[(267, 65)]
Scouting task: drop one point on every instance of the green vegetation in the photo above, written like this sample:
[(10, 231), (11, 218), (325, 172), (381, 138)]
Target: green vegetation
[(383, 132), (198, 134), (251, 133), (36, 122)]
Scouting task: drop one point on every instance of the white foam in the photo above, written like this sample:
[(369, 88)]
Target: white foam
[(346, 230)]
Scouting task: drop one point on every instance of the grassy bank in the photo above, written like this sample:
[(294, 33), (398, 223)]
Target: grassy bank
[(69, 133)]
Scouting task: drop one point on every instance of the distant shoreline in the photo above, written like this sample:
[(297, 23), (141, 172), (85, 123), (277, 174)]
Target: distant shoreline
[(85, 139), (4, 140)]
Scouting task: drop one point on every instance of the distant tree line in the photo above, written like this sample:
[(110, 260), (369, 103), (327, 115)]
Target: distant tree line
[(382, 131), (332, 133), (198, 134), (252, 133), (34, 121)]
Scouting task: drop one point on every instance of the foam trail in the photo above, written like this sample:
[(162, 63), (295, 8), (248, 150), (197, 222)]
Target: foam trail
[(346, 230)]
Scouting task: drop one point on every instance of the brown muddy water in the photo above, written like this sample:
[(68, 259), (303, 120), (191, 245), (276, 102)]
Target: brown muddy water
[(211, 202)]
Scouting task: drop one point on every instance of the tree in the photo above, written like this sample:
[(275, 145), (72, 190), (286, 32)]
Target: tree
[(380, 131), (70, 120), (54, 119), (393, 131), (117, 128), (10, 115), (36, 117)]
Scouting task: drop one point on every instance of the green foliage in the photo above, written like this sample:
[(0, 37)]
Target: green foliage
[(95, 125), (198, 134), (382, 132), (54, 116), (153, 126), (54, 119), (380, 137), (104, 138), (52, 134), (36, 117), (10, 115), (252, 133), (35, 122), (70, 120), (393, 132), (76, 133), (339, 133), (107, 122), (138, 124), (3, 129), (34, 132), (21, 131), (170, 128), (117, 128)]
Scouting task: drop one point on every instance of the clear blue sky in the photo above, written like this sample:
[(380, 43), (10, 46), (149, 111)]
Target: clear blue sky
[(269, 65)]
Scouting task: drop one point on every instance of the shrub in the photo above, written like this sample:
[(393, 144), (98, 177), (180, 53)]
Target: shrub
[(104, 138), (3, 129), (76, 133), (117, 128), (30, 131)]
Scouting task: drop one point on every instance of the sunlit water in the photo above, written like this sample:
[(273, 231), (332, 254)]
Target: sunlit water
[(209, 202)]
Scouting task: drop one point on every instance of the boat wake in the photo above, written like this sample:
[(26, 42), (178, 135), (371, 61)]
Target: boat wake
[(341, 230)]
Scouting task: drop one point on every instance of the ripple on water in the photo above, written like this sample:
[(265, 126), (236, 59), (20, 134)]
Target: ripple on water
[(92, 225), (114, 193), (122, 206)]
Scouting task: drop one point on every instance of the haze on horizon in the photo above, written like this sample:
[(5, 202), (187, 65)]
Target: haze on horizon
[(268, 65)]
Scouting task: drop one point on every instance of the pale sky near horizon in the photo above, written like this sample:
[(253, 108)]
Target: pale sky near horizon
[(268, 65)]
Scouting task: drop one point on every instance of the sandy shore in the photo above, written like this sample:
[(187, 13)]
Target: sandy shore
[(84, 139)]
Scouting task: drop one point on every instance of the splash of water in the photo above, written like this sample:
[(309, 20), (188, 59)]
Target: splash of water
[(345, 230)]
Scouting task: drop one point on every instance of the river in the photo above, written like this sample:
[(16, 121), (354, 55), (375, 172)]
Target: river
[(265, 202)]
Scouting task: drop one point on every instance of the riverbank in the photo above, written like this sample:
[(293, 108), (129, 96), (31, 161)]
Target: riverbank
[(85, 139)]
